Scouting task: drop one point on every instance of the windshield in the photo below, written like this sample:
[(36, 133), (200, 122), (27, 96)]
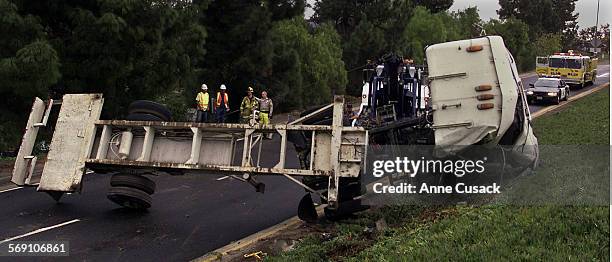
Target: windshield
[(573, 63), (542, 60), (557, 62), (565, 63), (547, 83)]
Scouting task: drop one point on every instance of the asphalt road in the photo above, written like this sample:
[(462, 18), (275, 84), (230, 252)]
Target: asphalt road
[(603, 73), (191, 214)]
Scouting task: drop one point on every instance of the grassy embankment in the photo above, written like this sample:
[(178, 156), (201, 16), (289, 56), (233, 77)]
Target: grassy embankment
[(491, 232)]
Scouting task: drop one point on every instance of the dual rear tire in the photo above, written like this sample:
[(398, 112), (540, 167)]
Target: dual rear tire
[(146, 110), (131, 191), (134, 191)]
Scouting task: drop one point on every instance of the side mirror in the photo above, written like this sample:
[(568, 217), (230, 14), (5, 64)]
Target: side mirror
[(531, 85)]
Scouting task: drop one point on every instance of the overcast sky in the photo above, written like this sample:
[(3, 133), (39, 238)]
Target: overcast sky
[(487, 9)]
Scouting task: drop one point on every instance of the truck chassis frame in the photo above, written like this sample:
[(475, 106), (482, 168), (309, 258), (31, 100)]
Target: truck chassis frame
[(81, 142)]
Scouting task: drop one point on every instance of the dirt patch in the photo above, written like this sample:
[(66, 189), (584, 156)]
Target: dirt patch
[(280, 242)]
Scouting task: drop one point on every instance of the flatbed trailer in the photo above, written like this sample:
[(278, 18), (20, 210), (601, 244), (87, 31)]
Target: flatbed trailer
[(82, 142)]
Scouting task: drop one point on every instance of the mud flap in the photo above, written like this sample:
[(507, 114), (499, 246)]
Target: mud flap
[(306, 209)]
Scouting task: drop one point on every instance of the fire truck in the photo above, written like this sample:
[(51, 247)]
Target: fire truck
[(574, 68)]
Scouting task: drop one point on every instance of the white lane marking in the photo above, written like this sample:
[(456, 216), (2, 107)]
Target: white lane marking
[(10, 189), (602, 75), (40, 230), (222, 178), (15, 188), (36, 184)]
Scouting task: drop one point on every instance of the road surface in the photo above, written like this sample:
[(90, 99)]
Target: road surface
[(603, 76), (191, 214)]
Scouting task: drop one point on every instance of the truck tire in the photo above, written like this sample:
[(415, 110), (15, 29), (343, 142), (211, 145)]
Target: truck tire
[(142, 117), (150, 107), (129, 197), (134, 181)]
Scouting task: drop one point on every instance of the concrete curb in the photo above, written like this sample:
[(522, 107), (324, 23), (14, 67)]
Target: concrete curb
[(528, 74), (218, 254), (570, 100)]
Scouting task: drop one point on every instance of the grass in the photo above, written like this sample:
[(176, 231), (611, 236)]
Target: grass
[(491, 232), (585, 122)]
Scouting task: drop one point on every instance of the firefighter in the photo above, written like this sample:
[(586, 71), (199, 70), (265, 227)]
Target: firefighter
[(265, 110), (249, 103), (222, 104), (203, 102)]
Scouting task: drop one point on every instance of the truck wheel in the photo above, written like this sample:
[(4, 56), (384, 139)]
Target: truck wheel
[(142, 117), (134, 181), (129, 197), (150, 107)]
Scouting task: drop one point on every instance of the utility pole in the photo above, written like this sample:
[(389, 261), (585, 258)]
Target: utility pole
[(596, 42), (597, 19)]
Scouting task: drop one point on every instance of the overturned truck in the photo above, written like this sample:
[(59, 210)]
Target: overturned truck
[(469, 93)]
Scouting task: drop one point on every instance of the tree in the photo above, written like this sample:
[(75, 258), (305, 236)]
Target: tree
[(28, 66), (126, 50), (588, 34), (547, 44), (542, 16), (283, 9), (344, 15), (516, 38), (307, 68), (435, 6), (468, 22), (239, 35), (423, 29)]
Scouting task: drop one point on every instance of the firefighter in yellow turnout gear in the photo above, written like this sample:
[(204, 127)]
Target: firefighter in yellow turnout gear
[(249, 103)]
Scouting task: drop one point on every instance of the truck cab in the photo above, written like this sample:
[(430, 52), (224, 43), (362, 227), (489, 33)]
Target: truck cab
[(575, 69), (542, 66)]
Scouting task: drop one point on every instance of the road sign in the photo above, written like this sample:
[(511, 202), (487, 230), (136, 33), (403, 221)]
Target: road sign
[(595, 42), (595, 50)]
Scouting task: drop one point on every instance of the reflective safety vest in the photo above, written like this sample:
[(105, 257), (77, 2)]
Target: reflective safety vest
[(266, 105), (203, 100), (225, 100)]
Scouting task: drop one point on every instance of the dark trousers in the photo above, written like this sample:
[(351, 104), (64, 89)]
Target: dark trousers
[(202, 116), (221, 114)]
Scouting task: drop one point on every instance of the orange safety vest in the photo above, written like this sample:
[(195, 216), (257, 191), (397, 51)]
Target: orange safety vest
[(218, 101)]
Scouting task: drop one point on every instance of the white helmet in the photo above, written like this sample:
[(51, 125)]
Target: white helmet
[(223, 87), (204, 87)]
